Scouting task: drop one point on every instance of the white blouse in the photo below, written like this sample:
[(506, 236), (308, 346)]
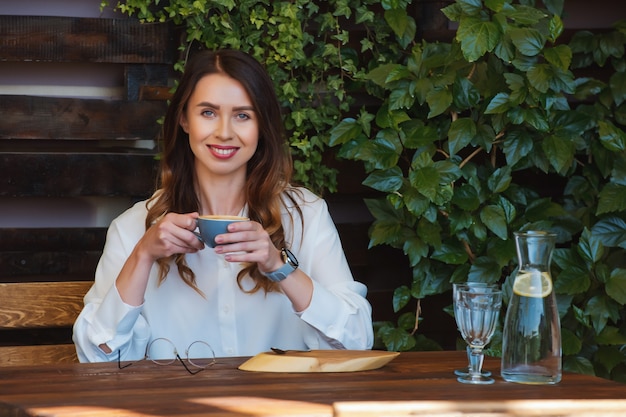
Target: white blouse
[(231, 321)]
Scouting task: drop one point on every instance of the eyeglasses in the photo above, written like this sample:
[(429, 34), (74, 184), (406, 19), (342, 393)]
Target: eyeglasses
[(199, 355)]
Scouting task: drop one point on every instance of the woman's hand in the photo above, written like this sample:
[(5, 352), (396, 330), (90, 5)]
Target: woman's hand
[(169, 235), (249, 242)]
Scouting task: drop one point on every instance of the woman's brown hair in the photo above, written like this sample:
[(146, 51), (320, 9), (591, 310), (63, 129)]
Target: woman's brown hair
[(268, 172)]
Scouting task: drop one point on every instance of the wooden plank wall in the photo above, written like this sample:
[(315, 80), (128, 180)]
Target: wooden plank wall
[(65, 147)]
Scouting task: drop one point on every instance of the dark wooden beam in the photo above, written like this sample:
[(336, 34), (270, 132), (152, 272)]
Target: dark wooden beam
[(73, 39), (77, 174), (26, 117)]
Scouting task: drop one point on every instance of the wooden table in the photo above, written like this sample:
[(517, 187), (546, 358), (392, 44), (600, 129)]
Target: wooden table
[(416, 383)]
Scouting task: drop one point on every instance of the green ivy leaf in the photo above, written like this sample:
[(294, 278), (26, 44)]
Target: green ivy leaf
[(380, 74), (540, 77), (611, 336), (396, 340), (465, 93), (345, 131), (578, 364), (618, 87), (471, 7), (616, 285), (388, 180), (461, 133), (600, 309), (609, 357), (415, 249), (439, 100), (401, 297), (611, 137), (555, 27), (570, 342), (477, 37), (611, 231), (498, 104), (453, 12), (560, 152), (494, 218), (500, 179), (484, 269), (398, 21), (415, 202), (612, 198), (573, 280), (524, 15), (418, 134), (426, 180), (528, 41), (466, 197), (401, 97), (560, 56), (590, 247), (495, 5), (517, 144), (450, 254)]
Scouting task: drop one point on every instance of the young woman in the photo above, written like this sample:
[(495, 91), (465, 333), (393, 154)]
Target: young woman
[(280, 279)]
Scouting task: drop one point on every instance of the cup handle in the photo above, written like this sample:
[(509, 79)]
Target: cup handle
[(199, 236)]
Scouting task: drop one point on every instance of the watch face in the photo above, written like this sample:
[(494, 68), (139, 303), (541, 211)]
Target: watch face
[(290, 258)]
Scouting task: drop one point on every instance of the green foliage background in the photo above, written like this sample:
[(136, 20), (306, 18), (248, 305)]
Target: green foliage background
[(466, 141)]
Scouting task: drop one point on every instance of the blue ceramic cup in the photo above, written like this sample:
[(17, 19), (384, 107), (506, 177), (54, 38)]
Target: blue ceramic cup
[(213, 225)]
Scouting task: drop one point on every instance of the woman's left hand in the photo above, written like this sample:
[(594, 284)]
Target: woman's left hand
[(249, 242)]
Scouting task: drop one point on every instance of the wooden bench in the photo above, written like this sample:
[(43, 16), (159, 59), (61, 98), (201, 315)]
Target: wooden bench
[(37, 305)]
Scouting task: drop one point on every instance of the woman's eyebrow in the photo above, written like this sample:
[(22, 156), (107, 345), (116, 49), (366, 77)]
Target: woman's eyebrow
[(215, 106)]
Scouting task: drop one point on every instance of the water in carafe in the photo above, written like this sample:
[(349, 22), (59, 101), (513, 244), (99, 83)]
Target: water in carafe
[(531, 337)]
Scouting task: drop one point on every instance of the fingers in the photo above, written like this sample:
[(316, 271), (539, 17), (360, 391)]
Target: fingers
[(173, 234), (246, 242)]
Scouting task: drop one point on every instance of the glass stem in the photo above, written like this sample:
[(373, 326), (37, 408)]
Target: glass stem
[(476, 358)]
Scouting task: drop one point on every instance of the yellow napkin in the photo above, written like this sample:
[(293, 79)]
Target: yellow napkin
[(318, 361)]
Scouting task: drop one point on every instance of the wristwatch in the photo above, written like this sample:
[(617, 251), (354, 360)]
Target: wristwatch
[(291, 264)]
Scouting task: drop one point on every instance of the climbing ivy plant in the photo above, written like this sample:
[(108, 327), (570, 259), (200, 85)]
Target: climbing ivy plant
[(491, 133)]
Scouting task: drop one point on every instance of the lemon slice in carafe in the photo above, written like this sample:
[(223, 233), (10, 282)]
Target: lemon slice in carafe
[(532, 284)]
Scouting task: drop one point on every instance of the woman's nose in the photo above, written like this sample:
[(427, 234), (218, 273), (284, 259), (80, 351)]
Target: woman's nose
[(225, 129)]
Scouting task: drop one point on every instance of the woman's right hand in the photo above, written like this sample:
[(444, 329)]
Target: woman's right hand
[(171, 234)]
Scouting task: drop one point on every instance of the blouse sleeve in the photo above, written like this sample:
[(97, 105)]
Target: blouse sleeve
[(105, 318), (338, 311)]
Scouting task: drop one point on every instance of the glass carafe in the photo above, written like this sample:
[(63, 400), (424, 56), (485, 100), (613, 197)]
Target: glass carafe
[(531, 337)]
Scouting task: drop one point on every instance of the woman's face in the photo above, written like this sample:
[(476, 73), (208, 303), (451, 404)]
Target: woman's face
[(222, 126)]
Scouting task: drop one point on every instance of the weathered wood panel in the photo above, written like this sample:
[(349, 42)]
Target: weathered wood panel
[(72, 39), (37, 355), (52, 239), (41, 304), (26, 117), (76, 174)]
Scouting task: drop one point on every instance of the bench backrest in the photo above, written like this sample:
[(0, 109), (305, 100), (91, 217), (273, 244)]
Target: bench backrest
[(38, 305)]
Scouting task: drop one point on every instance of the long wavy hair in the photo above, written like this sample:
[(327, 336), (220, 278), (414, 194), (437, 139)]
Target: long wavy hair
[(269, 171)]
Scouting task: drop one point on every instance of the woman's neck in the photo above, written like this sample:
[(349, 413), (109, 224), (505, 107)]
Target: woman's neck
[(222, 197)]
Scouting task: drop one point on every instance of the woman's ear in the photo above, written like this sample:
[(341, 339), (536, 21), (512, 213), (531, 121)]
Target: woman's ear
[(183, 123)]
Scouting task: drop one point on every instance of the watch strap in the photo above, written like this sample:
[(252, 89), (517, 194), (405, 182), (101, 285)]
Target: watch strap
[(291, 264)]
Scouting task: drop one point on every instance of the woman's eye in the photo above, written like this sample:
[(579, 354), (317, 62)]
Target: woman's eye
[(242, 116), (208, 113)]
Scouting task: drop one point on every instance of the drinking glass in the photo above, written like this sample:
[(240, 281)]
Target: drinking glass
[(465, 285), (477, 310)]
